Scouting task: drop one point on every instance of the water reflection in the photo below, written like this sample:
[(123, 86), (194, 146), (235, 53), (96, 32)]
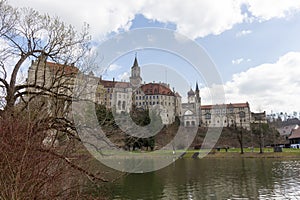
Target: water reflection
[(215, 179)]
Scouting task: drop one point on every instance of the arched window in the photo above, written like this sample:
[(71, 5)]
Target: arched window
[(119, 105), (123, 105), (242, 114), (207, 116)]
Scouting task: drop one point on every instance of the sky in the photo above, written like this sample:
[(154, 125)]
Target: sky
[(254, 44)]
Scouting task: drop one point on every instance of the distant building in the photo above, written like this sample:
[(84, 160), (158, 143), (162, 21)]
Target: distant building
[(156, 96), (47, 79), (237, 114), (191, 111), (294, 138), (115, 95), (286, 130), (285, 127), (260, 117)]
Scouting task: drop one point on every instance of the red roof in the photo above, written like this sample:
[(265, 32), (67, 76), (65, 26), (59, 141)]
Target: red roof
[(230, 105), (156, 88), (295, 134), (60, 69), (112, 84)]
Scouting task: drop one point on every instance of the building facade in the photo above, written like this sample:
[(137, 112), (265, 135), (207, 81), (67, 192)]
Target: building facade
[(226, 115), (191, 111), (117, 96), (154, 96)]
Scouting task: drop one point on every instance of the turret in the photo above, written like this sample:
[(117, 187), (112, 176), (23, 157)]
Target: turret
[(191, 96)]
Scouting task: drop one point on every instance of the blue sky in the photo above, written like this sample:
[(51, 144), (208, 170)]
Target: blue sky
[(254, 43)]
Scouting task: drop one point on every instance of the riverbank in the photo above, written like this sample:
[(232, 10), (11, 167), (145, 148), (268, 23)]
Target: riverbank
[(248, 153)]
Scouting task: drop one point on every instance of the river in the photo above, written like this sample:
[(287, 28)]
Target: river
[(210, 178)]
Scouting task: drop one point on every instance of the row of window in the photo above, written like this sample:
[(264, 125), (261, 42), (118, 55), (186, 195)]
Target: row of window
[(190, 123), (152, 103), (152, 97), (225, 121), (111, 90), (230, 110), (121, 105), (242, 114)]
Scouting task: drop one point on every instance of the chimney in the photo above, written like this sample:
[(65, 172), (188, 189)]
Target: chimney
[(114, 79)]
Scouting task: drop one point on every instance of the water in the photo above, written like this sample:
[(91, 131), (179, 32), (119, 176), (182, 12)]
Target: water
[(234, 178)]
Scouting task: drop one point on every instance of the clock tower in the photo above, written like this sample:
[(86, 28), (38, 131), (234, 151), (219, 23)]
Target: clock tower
[(135, 78)]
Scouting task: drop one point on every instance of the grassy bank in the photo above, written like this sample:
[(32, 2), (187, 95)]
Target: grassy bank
[(249, 153)]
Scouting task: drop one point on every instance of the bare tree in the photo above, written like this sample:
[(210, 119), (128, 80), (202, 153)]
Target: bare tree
[(34, 112), (28, 35)]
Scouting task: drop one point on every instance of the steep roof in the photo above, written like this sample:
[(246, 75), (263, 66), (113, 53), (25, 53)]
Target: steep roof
[(116, 84), (197, 88), (135, 63), (295, 134), (60, 69), (156, 88)]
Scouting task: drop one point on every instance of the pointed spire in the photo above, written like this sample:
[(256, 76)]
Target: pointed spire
[(135, 64), (197, 88)]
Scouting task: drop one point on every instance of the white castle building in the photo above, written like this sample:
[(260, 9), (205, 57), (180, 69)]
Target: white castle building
[(223, 115), (120, 96), (191, 110), (157, 96)]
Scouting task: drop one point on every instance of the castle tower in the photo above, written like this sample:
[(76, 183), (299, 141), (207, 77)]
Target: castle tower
[(191, 96), (135, 78)]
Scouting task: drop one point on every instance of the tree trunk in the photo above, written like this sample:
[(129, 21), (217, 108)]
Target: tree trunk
[(261, 144), (241, 142)]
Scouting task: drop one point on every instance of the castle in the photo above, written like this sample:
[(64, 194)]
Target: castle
[(120, 96)]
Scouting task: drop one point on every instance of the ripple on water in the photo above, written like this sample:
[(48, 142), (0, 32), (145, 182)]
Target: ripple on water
[(216, 179)]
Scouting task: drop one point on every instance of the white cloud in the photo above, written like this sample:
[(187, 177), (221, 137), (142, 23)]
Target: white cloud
[(124, 77), (237, 61), (192, 18), (243, 33), (267, 9), (270, 86), (240, 60), (104, 16), (114, 67), (196, 18)]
